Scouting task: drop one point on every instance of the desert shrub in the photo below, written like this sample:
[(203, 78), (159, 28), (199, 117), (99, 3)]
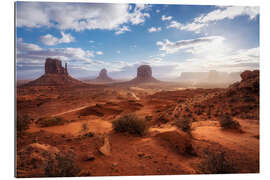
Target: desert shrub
[(84, 127), (63, 165), (216, 162), (184, 124), (23, 122), (131, 124), (227, 122), (51, 121)]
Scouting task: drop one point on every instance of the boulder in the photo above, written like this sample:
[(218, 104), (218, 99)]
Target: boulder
[(106, 148)]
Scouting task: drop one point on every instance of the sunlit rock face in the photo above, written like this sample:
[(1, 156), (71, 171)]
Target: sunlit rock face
[(54, 66), (103, 76), (144, 72), (144, 75), (55, 75)]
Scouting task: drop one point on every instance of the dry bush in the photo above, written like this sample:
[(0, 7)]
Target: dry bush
[(52, 121), (23, 122), (63, 165), (227, 122), (131, 124), (184, 124), (84, 127), (216, 162)]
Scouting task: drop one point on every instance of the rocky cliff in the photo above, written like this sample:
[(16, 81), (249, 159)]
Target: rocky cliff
[(144, 74), (55, 75)]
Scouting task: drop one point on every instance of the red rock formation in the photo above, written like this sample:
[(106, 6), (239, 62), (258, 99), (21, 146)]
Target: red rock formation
[(144, 74), (103, 76), (53, 66), (55, 74)]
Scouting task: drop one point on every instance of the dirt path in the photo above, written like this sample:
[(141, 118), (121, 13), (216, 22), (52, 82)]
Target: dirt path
[(71, 110)]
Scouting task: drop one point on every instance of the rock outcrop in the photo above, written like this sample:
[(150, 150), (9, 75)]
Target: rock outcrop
[(55, 75), (144, 74), (103, 76), (54, 66)]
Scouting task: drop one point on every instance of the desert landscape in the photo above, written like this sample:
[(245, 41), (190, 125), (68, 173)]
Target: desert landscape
[(128, 89), (68, 127)]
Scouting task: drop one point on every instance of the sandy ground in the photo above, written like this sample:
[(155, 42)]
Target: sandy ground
[(130, 155)]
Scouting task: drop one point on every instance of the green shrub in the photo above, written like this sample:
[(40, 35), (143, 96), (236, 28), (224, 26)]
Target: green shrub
[(84, 127), (23, 122), (216, 162), (184, 124), (227, 122), (63, 165), (51, 121), (131, 124)]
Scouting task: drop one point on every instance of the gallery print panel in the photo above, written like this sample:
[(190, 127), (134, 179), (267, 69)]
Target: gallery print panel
[(136, 89)]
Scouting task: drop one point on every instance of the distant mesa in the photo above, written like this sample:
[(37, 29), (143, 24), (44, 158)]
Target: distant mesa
[(103, 76), (54, 66), (212, 76), (144, 74), (55, 74)]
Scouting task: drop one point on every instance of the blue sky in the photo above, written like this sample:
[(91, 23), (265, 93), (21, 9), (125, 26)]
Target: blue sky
[(120, 37)]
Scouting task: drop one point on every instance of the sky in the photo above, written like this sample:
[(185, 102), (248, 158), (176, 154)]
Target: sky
[(120, 37)]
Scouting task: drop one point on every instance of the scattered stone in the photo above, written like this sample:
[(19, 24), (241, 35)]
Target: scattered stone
[(84, 172), (140, 154), (89, 157), (106, 148)]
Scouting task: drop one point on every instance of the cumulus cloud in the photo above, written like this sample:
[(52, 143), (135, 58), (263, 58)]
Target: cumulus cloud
[(166, 18), (81, 16), (50, 40), (22, 46), (99, 53), (195, 27), (153, 29), (190, 45), (229, 12), (32, 53), (121, 30), (118, 52)]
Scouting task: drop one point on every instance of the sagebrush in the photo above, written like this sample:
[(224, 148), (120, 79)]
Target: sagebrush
[(131, 124)]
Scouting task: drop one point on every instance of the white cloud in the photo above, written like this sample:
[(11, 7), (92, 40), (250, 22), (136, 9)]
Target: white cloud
[(188, 27), (50, 40), (91, 41), (99, 53), (153, 29), (31, 53), (164, 18), (121, 30), (118, 52), (222, 13), (81, 16), (157, 11), (90, 53), (22, 46), (191, 45), (228, 13)]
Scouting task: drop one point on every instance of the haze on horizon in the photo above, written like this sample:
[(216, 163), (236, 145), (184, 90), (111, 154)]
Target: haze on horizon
[(120, 37)]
